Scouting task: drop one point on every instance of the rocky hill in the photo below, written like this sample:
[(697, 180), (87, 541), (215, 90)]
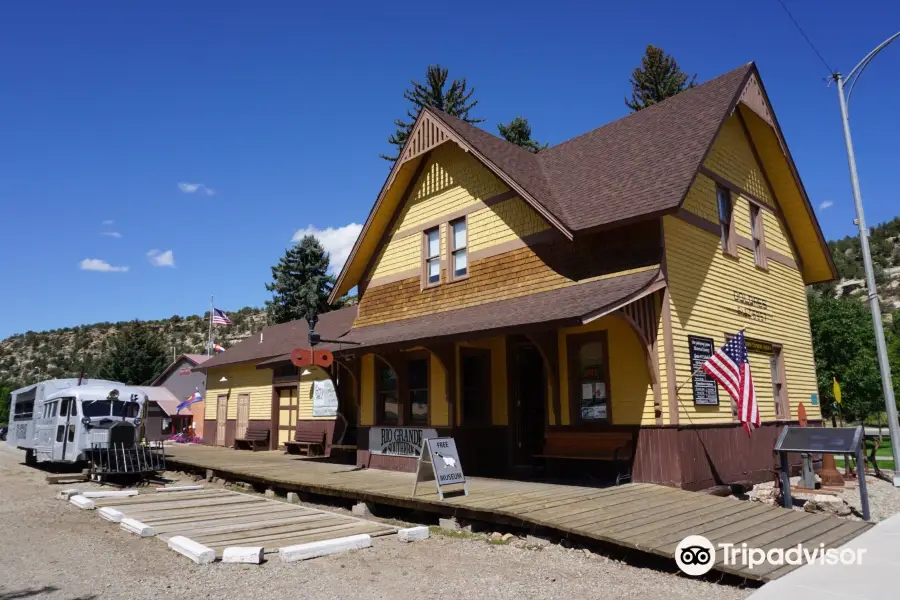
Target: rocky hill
[(34, 356), (884, 241)]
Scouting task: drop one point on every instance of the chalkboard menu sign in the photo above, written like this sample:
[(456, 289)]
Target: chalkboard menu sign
[(706, 392)]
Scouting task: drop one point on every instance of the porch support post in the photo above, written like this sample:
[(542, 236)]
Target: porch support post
[(671, 384), (650, 356), (446, 355), (547, 344)]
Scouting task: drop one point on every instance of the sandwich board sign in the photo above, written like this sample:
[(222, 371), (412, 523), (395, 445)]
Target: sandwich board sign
[(440, 462)]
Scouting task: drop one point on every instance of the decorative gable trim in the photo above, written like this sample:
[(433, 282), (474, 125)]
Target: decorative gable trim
[(427, 134), (755, 100)]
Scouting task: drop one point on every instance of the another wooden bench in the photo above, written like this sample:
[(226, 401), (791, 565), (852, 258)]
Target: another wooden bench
[(611, 446), (307, 436), (256, 436)]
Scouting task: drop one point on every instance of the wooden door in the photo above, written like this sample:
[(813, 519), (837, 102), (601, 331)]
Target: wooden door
[(221, 419), (243, 415), (288, 405)]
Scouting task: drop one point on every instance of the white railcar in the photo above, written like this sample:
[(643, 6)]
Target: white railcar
[(97, 422)]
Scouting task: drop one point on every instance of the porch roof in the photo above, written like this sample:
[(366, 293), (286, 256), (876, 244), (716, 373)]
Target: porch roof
[(574, 304)]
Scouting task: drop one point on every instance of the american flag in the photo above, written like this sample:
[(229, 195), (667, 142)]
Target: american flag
[(220, 318), (730, 366)]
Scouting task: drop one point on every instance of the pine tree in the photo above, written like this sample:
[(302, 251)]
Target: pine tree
[(455, 101), (518, 132), (134, 356), (300, 281), (659, 77)]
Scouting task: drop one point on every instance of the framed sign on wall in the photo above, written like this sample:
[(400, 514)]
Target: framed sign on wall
[(706, 390)]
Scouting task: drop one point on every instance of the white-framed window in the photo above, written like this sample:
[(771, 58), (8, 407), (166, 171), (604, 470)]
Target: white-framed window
[(431, 273), (726, 208), (756, 232), (459, 244)]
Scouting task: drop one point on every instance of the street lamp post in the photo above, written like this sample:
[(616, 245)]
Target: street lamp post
[(883, 364)]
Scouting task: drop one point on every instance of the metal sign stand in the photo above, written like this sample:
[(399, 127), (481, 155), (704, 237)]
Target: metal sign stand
[(450, 469), (819, 440)]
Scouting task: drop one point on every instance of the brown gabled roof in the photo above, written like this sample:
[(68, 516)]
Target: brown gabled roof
[(574, 304), (280, 339), (194, 359), (639, 165)]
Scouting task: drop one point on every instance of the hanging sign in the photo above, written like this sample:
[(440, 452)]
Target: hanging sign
[(399, 441), (706, 391), (440, 463), (324, 399)]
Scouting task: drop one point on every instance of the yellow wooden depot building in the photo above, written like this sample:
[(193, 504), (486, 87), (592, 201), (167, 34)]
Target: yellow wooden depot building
[(549, 309)]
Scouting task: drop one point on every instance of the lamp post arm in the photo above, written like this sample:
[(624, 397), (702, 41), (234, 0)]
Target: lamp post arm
[(859, 68)]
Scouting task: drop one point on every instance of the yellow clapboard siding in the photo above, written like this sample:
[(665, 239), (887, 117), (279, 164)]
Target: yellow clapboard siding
[(241, 379), (305, 391), (732, 157), (702, 286), (630, 387), (367, 390), (776, 235), (701, 199)]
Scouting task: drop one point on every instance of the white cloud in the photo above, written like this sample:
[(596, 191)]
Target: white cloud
[(97, 264), (826, 204), (112, 234), (190, 188), (338, 242), (107, 222), (161, 259)]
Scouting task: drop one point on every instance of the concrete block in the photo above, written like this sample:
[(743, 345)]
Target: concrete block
[(110, 494), (450, 524), (413, 534), (293, 498), (179, 488), (82, 502), (67, 494), (362, 509), (238, 554), (324, 548), (198, 553), (537, 542), (110, 514), (210, 474), (270, 493), (136, 527)]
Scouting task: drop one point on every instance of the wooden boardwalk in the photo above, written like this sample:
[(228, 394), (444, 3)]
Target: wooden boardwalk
[(644, 517), (218, 519)]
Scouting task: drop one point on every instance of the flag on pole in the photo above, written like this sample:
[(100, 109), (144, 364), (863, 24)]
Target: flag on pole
[(220, 318), (730, 366), (837, 391), (218, 349), (192, 399)]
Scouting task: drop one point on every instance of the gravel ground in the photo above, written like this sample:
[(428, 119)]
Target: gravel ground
[(53, 551), (884, 498)]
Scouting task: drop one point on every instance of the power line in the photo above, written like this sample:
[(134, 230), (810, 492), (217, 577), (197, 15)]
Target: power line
[(806, 37)]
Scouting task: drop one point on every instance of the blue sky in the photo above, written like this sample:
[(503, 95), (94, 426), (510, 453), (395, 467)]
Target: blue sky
[(211, 132)]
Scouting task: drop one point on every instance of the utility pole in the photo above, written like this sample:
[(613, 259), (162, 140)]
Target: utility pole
[(884, 366)]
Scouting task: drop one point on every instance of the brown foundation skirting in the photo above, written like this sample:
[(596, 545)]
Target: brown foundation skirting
[(699, 457)]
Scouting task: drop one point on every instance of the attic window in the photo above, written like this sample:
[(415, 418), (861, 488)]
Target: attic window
[(431, 271), (759, 240)]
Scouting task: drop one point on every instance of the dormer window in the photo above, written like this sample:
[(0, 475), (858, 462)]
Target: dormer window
[(431, 272)]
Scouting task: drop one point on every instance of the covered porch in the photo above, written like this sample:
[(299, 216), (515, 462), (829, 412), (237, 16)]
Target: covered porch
[(563, 379)]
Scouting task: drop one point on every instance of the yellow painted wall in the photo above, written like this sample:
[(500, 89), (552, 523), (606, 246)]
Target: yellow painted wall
[(367, 390), (241, 379), (437, 394), (499, 396), (630, 388), (305, 392), (702, 282), (453, 181), (732, 157)]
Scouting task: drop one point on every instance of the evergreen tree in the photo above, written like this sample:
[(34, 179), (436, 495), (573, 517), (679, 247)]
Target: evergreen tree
[(300, 281), (455, 101), (659, 77), (518, 132), (134, 356)]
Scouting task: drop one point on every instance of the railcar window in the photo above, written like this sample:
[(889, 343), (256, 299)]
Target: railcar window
[(72, 430), (64, 408), (60, 431), (73, 407), (24, 411), (128, 410), (96, 408)]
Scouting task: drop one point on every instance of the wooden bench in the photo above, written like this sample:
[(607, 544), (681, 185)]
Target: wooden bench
[(611, 446), (256, 436), (306, 437)]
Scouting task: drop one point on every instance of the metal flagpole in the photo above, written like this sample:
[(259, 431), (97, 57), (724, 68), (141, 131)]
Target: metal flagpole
[(874, 306), (209, 338)]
